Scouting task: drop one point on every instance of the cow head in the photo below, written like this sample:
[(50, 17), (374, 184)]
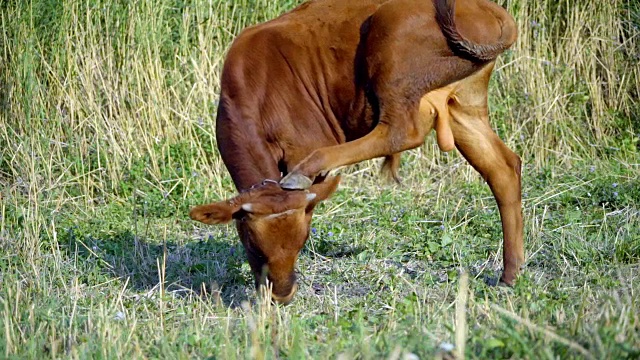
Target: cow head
[(273, 225)]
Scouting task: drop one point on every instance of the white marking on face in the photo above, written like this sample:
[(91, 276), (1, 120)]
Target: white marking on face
[(273, 216)]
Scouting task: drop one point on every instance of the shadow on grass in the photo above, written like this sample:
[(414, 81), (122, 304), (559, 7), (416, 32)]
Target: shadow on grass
[(212, 265), (215, 264)]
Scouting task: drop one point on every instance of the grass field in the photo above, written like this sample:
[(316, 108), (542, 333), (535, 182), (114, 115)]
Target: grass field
[(106, 141)]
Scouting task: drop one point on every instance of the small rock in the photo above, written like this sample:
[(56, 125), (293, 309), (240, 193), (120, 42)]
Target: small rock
[(448, 347), (410, 356)]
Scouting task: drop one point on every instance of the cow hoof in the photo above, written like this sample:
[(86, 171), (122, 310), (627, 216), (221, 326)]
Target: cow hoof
[(295, 181), (497, 282)]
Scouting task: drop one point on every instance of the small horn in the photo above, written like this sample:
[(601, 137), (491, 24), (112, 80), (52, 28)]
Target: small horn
[(248, 207)]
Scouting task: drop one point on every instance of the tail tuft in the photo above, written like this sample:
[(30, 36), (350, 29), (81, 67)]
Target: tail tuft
[(445, 16)]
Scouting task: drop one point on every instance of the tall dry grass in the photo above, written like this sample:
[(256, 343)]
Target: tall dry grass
[(570, 87)]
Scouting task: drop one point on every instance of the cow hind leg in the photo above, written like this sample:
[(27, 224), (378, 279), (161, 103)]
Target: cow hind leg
[(501, 168), (400, 128), (390, 167)]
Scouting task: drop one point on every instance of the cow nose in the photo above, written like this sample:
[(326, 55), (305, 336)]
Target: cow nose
[(285, 300)]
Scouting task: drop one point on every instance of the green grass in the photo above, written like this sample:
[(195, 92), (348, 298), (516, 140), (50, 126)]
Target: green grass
[(106, 141)]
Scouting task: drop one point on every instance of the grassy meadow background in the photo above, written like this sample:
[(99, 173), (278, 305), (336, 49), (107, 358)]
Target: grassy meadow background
[(106, 140)]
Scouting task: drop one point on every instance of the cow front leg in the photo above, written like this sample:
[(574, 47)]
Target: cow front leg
[(399, 129), (501, 168)]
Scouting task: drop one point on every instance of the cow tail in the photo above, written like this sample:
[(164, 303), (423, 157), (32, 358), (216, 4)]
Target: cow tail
[(467, 49)]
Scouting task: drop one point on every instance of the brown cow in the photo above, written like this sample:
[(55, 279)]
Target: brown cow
[(336, 82)]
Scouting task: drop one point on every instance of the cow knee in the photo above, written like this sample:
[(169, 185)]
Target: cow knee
[(505, 179), (516, 164)]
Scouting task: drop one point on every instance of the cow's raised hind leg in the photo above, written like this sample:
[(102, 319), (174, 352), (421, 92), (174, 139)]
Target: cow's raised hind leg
[(400, 128), (500, 167)]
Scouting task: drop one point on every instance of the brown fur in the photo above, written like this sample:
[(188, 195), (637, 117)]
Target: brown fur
[(336, 82)]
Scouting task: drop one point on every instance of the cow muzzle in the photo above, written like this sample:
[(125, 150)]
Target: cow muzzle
[(285, 299)]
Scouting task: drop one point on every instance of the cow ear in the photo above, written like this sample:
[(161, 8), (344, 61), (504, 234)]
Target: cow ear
[(216, 213), (323, 190)]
